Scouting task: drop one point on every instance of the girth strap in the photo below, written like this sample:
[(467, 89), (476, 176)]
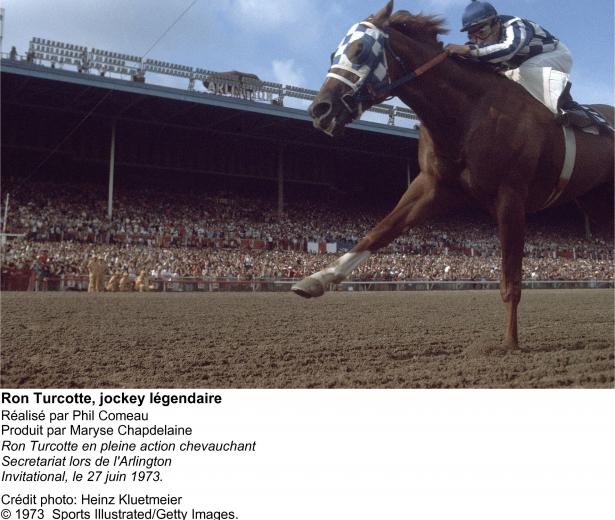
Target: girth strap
[(570, 154)]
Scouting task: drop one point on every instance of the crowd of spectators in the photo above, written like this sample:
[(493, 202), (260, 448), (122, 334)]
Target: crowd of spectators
[(70, 258), (224, 236)]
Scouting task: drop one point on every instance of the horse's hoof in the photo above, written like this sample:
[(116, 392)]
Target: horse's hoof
[(480, 349), (308, 287), (509, 345)]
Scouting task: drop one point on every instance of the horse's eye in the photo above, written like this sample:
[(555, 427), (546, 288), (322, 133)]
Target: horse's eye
[(357, 52)]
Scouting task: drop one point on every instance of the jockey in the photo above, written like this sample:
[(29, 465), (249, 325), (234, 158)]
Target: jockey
[(512, 42)]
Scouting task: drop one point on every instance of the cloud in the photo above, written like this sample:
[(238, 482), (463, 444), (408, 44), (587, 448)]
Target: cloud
[(434, 6), (263, 16), (258, 28), (114, 25), (443, 4), (285, 72)]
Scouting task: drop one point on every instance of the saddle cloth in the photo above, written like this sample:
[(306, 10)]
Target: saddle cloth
[(598, 119)]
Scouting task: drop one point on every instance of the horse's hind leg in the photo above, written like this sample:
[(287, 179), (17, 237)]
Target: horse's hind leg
[(424, 198), (510, 214)]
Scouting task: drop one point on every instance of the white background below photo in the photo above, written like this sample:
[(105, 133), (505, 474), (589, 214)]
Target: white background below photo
[(348, 454)]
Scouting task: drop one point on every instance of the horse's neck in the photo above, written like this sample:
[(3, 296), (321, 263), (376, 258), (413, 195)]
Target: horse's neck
[(444, 97), (443, 110)]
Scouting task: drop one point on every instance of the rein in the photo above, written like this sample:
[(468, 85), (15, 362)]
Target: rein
[(374, 84), (387, 87), (439, 58)]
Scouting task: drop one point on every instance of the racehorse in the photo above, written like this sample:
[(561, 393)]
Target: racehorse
[(483, 139)]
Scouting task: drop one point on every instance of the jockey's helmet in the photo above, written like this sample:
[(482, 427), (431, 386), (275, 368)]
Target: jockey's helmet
[(477, 14)]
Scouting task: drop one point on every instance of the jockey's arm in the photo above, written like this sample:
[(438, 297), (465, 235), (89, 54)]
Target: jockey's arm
[(516, 35), (461, 50)]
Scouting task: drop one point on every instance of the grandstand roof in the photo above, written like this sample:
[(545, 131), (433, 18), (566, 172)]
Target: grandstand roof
[(35, 86), (58, 123)]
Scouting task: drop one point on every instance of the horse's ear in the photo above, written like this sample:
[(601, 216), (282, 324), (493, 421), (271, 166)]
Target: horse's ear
[(381, 18)]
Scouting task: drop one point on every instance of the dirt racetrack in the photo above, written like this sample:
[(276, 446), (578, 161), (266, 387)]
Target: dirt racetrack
[(277, 340)]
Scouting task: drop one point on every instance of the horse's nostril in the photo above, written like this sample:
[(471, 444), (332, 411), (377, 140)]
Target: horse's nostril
[(320, 109)]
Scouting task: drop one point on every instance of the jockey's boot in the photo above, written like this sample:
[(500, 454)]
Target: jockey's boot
[(570, 112), (573, 117)]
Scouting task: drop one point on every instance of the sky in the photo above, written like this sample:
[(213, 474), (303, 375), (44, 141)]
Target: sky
[(290, 41)]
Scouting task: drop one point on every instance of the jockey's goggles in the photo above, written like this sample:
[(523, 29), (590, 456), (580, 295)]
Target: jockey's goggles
[(481, 31)]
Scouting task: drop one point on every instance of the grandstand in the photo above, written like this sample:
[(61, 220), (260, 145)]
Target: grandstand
[(162, 131), (208, 191)]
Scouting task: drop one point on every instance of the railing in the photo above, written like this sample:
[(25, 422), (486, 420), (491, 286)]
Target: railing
[(24, 281), (129, 67)]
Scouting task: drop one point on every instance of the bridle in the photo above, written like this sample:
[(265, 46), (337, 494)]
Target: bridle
[(374, 83)]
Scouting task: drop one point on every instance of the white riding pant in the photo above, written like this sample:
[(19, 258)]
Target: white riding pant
[(544, 76), (559, 59)]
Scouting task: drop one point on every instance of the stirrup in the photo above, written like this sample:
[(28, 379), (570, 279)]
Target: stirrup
[(574, 117)]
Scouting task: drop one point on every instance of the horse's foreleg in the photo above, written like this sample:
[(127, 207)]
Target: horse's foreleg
[(315, 284), (423, 198), (510, 213)]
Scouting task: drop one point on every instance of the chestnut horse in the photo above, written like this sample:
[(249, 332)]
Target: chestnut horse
[(483, 139)]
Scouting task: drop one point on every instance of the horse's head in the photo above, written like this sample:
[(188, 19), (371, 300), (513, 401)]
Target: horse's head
[(358, 68)]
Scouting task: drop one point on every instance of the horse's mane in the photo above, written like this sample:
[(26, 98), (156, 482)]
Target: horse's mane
[(418, 26), (426, 29)]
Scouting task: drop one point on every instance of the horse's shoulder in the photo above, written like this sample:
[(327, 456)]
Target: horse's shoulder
[(511, 102)]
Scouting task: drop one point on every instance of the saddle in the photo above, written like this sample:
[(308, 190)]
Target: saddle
[(585, 118), (570, 113), (552, 88)]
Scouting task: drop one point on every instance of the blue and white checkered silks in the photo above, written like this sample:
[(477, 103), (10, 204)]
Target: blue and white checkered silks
[(370, 66)]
